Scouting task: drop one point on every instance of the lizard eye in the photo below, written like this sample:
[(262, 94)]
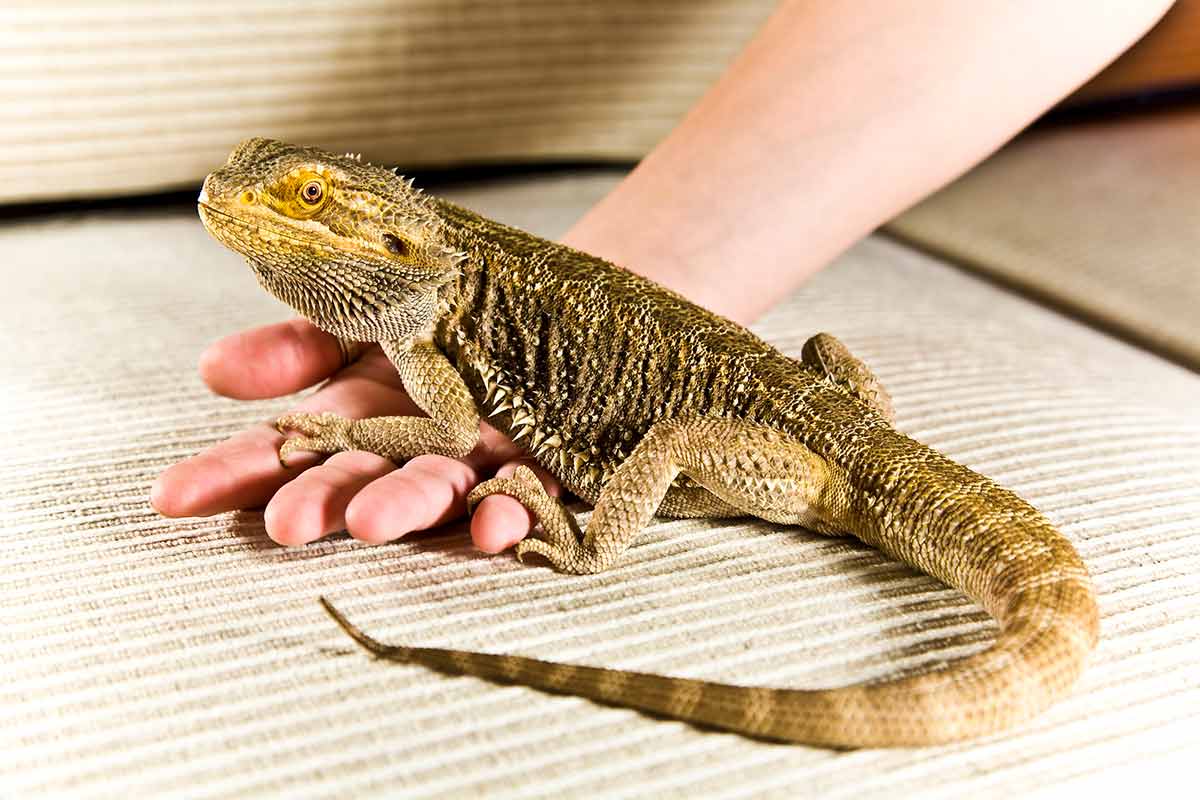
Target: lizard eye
[(312, 192), (397, 245)]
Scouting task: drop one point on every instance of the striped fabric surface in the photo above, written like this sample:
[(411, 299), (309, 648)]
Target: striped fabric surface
[(1100, 219), (147, 657), (119, 96)]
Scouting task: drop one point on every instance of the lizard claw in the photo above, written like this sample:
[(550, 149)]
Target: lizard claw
[(538, 547), (323, 433), (565, 556)]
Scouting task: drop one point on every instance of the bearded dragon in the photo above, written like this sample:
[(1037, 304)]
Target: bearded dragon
[(642, 403)]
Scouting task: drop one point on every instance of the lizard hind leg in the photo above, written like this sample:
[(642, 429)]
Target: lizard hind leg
[(752, 468), (833, 360)]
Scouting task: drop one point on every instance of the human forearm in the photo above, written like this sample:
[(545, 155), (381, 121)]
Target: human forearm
[(835, 118)]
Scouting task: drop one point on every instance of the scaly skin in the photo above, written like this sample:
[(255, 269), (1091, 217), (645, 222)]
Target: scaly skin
[(642, 403)]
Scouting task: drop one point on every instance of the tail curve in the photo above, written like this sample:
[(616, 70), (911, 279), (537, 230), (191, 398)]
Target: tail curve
[(981, 539)]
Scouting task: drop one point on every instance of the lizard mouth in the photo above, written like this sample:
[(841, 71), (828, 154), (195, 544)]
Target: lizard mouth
[(215, 219), (264, 244)]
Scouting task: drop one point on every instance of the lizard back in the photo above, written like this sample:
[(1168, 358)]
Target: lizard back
[(593, 377)]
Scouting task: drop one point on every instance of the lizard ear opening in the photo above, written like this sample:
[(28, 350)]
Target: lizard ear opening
[(397, 245)]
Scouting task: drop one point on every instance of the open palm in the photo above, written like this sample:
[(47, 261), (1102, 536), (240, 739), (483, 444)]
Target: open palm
[(373, 498)]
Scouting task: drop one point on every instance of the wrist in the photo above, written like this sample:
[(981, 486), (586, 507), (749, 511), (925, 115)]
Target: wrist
[(616, 232)]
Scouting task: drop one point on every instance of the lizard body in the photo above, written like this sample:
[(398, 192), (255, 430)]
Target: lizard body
[(642, 403)]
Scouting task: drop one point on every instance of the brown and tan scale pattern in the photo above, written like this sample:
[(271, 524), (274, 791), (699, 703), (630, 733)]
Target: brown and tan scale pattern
[(643, 403)]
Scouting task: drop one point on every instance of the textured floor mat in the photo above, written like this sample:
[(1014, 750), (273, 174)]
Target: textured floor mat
[(1101, 219), (149, 657)]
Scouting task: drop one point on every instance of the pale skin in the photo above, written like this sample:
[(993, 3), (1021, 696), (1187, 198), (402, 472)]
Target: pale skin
[(829, 123)]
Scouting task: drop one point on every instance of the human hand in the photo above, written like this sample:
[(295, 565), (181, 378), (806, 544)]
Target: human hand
[(372, 497)]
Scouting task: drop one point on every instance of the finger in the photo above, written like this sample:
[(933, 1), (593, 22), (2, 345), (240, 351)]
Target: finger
[(500, 521), (270, 361), (244, 471), (426, 492), (240, 472), (314, 504), (370, 387)]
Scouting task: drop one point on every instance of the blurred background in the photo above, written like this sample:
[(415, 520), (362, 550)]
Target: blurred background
[(117, 98)]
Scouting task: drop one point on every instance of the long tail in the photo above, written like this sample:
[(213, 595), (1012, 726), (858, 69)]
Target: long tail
[(982, 540)]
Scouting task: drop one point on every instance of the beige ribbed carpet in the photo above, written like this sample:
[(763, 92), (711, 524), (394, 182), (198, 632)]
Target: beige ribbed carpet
[(112, 97), (144, 657), (1101, 219)]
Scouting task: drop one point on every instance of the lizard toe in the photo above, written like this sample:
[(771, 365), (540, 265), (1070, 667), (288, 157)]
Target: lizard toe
[(310, 424), (565, 556), (537, 547), (295, 445), (323, 433), (523, 486)]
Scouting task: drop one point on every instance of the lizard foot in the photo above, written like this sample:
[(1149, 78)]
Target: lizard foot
[(558, 537), (323, 433), (576, 558)]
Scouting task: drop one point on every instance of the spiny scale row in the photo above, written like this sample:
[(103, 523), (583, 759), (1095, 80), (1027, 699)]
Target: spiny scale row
[(396, 170), (503, 398)]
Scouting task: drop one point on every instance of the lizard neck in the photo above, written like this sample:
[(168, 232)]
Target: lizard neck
[(469, 301), (338, 305)]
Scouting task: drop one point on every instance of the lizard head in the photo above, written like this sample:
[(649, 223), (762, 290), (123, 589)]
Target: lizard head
[(351, 246)]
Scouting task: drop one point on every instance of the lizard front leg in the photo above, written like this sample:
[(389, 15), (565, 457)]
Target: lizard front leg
[(748, 467), (452, 428)]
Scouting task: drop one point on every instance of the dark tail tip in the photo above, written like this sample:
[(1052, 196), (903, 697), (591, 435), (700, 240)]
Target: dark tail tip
[(374, 646)]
